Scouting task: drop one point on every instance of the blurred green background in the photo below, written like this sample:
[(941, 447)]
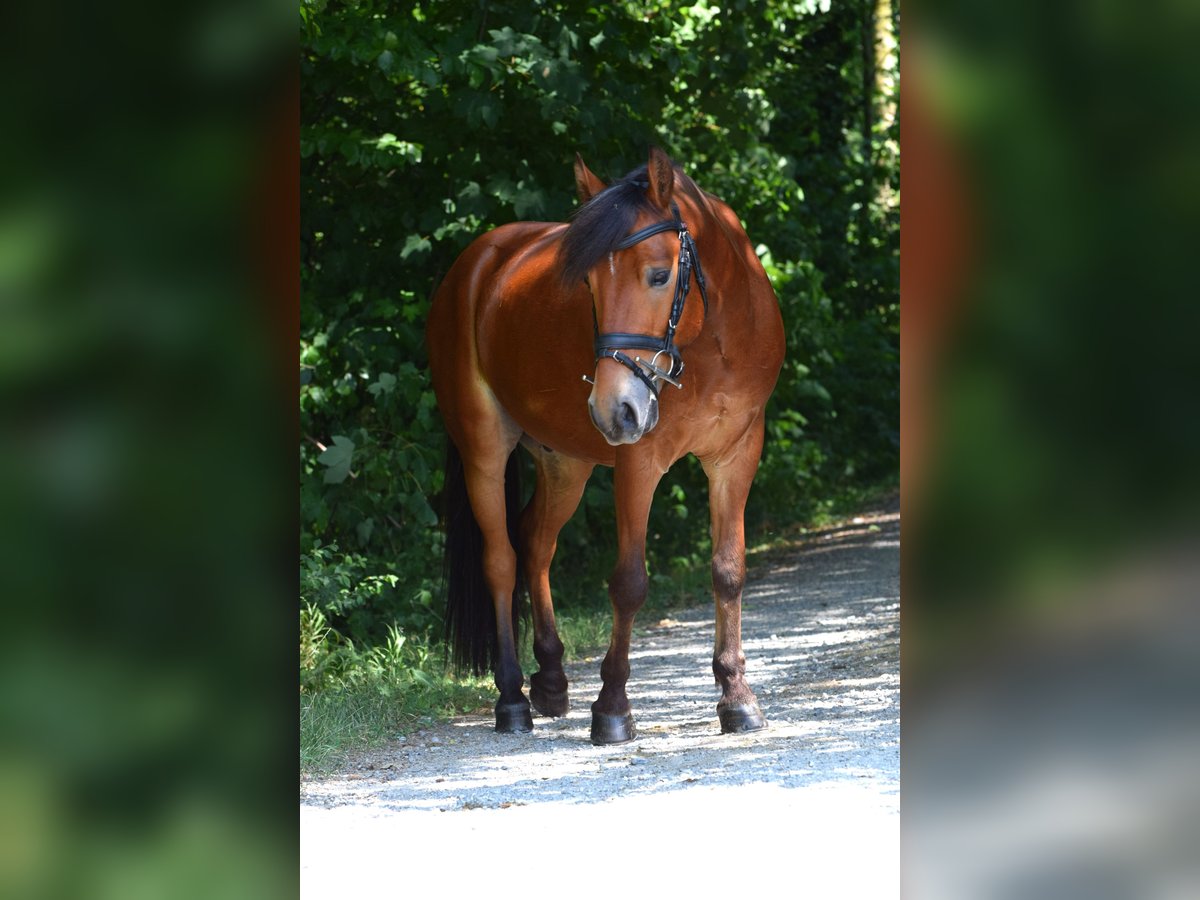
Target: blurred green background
[(144, 416), (1051, 641), (1065, 402)]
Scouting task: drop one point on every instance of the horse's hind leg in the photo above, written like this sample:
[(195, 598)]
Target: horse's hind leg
[(560, 483), (484, 469), (729, 480)]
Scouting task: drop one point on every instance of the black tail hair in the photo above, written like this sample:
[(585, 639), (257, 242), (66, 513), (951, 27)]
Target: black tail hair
[(470, 623)]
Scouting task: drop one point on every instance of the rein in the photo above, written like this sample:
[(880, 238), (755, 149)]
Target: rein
[(612, 344)]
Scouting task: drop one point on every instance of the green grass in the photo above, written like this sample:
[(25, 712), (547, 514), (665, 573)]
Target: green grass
[(355, 699), (334, 722), (582, 633)]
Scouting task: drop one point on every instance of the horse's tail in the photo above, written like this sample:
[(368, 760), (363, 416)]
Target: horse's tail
[(470, 622)]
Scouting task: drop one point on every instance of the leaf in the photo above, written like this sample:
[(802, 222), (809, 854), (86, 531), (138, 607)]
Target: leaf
[(528, 202), (385, 385), (421, 510), (337, 459), (415, 244), (405, 150), (506, 41), (484, 56)]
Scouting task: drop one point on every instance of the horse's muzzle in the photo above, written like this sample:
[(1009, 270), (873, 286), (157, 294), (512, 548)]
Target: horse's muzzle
[(625, 417)]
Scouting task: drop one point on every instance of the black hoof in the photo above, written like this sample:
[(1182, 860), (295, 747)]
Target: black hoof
[(548, 703), (512, 718), (744, 717), (610, 729)]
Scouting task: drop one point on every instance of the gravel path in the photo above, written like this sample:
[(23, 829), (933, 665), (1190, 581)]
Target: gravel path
[(810, 805)]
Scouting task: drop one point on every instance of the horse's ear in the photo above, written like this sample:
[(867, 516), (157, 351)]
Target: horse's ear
[(587, 185), (661, 172)]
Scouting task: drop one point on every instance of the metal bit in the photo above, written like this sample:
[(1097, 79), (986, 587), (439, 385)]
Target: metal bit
[(656, 372)]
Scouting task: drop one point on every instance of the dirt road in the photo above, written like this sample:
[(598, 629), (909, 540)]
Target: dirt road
[(807, 807)]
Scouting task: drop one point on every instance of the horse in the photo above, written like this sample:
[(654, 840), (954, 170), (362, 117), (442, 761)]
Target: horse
[(585, 343)]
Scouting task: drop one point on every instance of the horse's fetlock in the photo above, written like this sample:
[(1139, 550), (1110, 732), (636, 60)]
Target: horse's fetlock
[(728, 666), (548, 649), (614, 669)]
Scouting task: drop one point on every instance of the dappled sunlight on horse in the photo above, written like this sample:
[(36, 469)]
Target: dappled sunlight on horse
[(643, 330)]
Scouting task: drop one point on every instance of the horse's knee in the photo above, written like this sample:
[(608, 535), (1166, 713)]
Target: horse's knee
[(628, 585)]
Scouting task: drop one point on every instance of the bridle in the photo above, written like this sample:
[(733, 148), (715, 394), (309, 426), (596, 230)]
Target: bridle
[(612, 344)]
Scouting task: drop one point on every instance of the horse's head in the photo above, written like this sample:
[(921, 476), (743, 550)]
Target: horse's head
[(630, 245)]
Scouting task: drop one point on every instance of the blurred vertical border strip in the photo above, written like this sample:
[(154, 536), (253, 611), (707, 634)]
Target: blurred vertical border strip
[(148, 222), (1050, 438)]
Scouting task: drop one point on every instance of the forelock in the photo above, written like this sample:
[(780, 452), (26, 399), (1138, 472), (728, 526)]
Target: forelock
[(600, 224)]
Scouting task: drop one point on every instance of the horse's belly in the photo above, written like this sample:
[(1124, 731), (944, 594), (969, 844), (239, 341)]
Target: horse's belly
[(556, 417)]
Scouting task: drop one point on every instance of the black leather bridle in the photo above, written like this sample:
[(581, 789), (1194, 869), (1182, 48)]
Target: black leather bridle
[(612, 344)]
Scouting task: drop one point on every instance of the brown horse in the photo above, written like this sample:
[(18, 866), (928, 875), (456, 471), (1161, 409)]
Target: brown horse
[(524, 312)]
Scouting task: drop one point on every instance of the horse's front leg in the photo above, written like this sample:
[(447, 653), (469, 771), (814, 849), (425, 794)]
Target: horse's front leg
[(612, 717), (729, 480)]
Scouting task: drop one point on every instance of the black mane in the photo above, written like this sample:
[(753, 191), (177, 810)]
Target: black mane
[(601, 223)]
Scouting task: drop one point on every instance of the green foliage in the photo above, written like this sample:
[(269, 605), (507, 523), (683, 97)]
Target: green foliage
[(425, 124), (353, 698), (328, 660), (364, 595)]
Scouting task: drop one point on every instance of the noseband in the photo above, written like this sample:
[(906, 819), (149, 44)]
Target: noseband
[(611, 344)]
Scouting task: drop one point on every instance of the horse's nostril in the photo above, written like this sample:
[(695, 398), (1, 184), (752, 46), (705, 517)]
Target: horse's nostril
[(627, 417)]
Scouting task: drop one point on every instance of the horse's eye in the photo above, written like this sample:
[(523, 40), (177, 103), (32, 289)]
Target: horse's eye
[(660, 277)]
